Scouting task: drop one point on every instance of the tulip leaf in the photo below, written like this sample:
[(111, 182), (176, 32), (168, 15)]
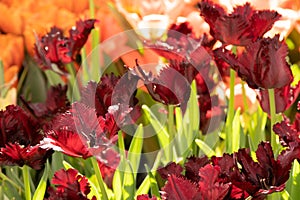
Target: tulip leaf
[(134, 152), (205, 148), (41, 189), (153, 183)]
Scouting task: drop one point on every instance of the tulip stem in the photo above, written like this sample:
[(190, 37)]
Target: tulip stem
[(229, 137), (274, 137), (99, 178), (73, 83), (25, 171)]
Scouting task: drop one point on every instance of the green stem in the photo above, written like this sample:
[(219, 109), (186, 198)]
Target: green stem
[(25, 171), (92, 8), (274, 137), (5, 178), (246, 106), (86, 77), (99, 178), (75, 94), (230, 113), (171, 127)]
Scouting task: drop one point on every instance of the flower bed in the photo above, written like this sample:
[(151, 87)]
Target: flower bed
[(155, 113)]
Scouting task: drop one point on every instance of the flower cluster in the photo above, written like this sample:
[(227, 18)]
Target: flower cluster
[(56, 49), (94, 127), (261, 62), (232, 176)]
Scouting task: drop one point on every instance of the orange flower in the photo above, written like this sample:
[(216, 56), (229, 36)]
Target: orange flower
[(11, 54)]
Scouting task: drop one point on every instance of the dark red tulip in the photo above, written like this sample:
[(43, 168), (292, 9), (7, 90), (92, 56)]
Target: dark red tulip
[(20, 139), (262, 64), (266, 176), (69, 185), (241, 27), (56, 49), (80, 133), (163, 88)]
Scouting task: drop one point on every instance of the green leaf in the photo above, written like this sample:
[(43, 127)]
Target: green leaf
[(129, 183), (34, 86), (119, 173), (41, 189), (296, 73), (135, 149), (153, 184), (145, 185), (67, 165), (162, 134), (257, 128), (205, 148), (118, 182), (94, 55), (53, 78), (94, 190), (236, 127), (294, 181)]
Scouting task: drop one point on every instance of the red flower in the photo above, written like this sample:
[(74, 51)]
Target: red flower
[(256, 179), (171, 168), (192, 167), (68, 142), (266, 176), (210, 185), (241, 27), (178, 44), (69, 185), (99, 96), (284, 98), (288, 133), (163, 88), (53, 48), (79, 35), (80, 133), (179, 188), (56, 102), (56, 49), (20, 139), (263, 63)]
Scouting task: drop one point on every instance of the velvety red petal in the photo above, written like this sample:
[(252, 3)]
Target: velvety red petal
[(33, 156), (69, 185), (16, 126), (79, 34), (192, 167), (171, 168), (211, 13), (68, 142), (145, 197), (179, 188), (210, 187)]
